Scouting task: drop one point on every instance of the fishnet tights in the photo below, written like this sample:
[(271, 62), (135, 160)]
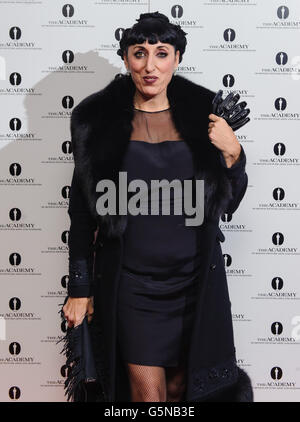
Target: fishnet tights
[(156, 383)]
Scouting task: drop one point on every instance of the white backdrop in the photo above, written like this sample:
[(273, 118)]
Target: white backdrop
[(51, 51)]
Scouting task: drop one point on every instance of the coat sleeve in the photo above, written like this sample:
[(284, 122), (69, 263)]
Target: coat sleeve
[(236, 174), (81, 243), (82, 228), (238, 178)]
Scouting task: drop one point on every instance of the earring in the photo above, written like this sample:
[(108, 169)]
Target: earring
[(174, 73), (128, 73)]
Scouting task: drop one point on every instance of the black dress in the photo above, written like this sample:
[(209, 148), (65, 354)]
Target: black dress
[(162, 255)]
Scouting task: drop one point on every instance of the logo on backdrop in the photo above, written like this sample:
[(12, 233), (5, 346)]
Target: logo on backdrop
[(279, 158), (229, 35), (68, 19), (14, 392), (231, 270), (16, 356), (276, 373), (14, 177), (67, 56), (277, 292), (282, 246), (228, 82), (15, 124), (64, 154), (280, 20), (15, 79), (277, 381), (228, 225), (240, 317), (15, 134), (277, 283), (283, 12), (177, 13), (119, 33), (15, 33), (67, 103), (15, 216), (68, 10), (280, 104), (278, 195), (61, 247), (14, 305), (278, 337), (67, 147), (14, 348), (276, 328), (15, 42), (281, 59), (71, 63), (14, 260)]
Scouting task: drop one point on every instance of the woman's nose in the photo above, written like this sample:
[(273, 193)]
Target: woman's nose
[(150, 63)]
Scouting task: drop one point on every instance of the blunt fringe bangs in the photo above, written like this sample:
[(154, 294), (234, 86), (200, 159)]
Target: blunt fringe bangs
[(153, 27)]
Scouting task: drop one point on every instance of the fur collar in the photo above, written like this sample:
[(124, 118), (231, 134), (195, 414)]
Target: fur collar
[(101, 128)]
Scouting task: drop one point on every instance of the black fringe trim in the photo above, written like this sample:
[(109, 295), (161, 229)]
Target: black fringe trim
[(84, 380)]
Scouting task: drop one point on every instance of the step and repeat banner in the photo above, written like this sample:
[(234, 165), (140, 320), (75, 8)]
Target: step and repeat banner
[(52, 55)]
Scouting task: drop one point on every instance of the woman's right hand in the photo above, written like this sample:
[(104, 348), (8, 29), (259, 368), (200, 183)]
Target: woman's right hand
[(76, 308)]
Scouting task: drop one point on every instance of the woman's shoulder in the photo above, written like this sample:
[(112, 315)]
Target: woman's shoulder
[(187, 87), (98, 103)]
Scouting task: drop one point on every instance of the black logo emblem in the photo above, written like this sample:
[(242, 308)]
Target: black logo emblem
[(229, 35), (15, 214), (283, 12), (15, 78), (277, 238), (278, 194), (279, 148), (14, 392), (15, 33), (276, 373), (281, 58), (15, 124), (276, 328), (177, 11), (277, 283), (228, 80), (68, 10), (280, 104)]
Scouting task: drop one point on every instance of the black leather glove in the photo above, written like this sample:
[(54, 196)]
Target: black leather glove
[(234, 114)]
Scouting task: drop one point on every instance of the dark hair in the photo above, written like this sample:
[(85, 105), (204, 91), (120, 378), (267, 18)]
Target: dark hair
[(153, 27)]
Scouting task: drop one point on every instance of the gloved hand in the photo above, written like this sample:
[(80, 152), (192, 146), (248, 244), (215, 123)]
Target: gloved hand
[(234, 114)]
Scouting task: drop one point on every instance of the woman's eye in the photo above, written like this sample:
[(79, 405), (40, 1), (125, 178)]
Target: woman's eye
[(141, 52)]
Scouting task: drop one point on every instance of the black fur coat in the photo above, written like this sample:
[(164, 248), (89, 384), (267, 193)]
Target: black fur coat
[(100, 129)]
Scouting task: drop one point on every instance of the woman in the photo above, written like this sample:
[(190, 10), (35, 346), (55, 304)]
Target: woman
[(156, 287)]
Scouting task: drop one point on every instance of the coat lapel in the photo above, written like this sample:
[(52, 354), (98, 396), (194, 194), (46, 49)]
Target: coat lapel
[(101, 128)]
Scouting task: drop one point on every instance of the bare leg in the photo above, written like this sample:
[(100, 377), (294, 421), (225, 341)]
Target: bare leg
[(147, 383)]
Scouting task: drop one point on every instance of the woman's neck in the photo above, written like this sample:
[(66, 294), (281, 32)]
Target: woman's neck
[(159, 102)]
